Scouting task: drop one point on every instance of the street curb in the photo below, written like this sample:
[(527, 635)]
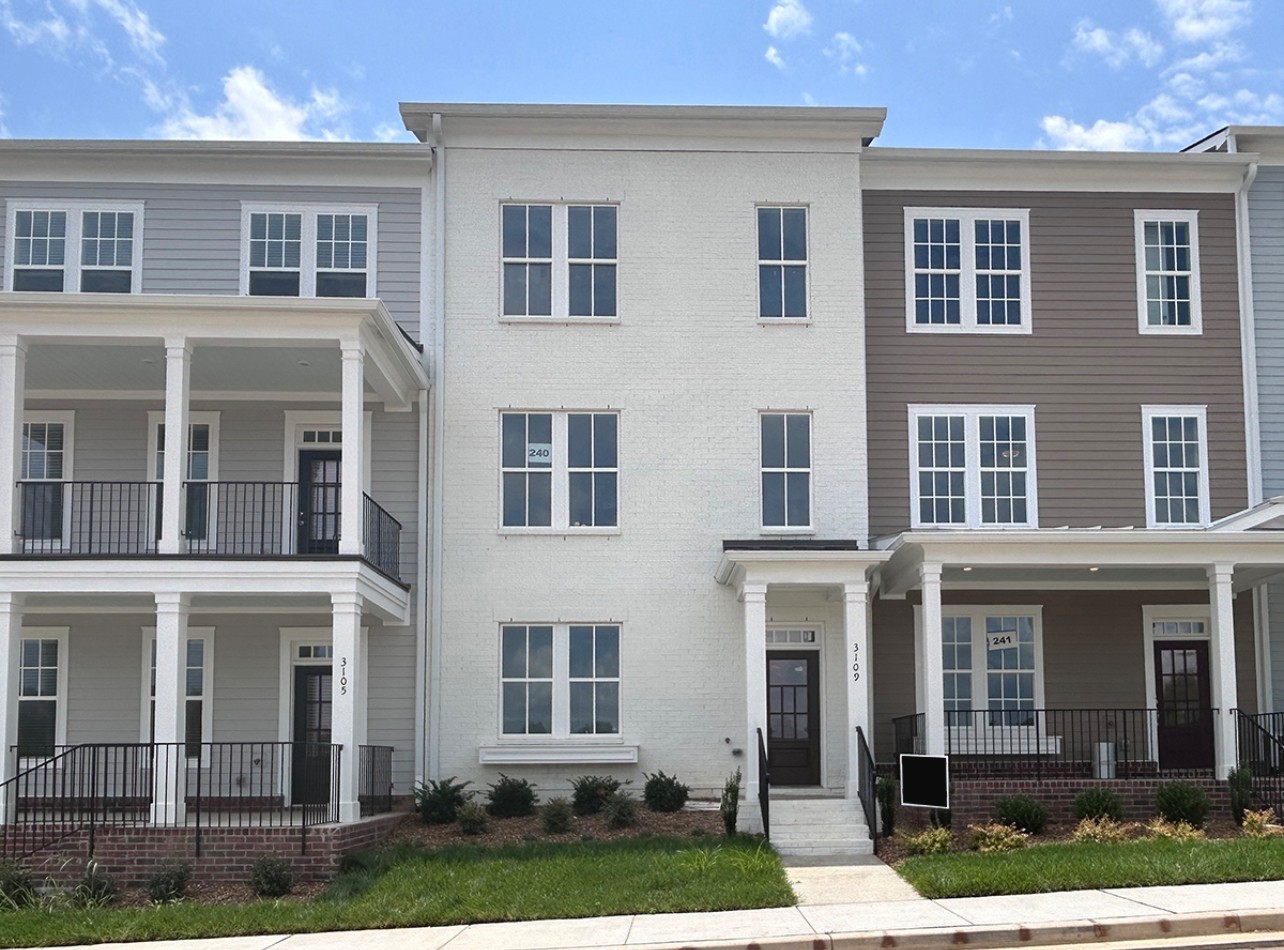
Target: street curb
[(1218, 924)]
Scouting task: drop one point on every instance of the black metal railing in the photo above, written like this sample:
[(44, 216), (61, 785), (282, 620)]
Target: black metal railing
[(246, 519), (1259, 743), (907, 733), (89, 517), (375, 788), (764, 787), (867, 785), (381, 533), (84, 788)]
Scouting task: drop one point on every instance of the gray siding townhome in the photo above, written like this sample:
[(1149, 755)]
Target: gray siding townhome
[(213, 428)]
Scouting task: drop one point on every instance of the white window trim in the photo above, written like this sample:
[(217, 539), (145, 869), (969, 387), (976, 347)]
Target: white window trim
[(207, 696), (810, 526), (68, 419), (1147, 435), (63, 636), (559, 739), (308, 241), (561, 501), (1140, 217), (759, 262), (967, 217), (75, 220), (972, 453), (561, 298), (156, 418), (818, 646)]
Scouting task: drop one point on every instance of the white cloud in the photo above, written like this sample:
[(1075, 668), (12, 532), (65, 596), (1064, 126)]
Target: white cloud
[(1066, 134), (145, 39), (251, 109), (60, 27), (773, 56), (391, 132), (4, 129), (1001, 16), (788, 18), (1117, 49), (1194, 21), (846, 50), (1221, 54)]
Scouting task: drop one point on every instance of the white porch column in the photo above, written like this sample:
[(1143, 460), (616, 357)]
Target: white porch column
[(1221, 655), (178, 373), (931, 686), (855, 623), (13, 367), (352, 490), (347, 704), (170, 771), (755, 601), (10, 648)]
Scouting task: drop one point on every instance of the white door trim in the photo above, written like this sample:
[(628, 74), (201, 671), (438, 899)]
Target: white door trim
[(819, 648)]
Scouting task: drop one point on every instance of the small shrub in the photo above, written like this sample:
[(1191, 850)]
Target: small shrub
[(1102, 829), (1240, 781), (664, 792), (931, 841), (1181, 801), (96, 887), (1023, 813), (168, 884), (939, 817), (1098, 803), (590, 792), (1261, 824), (438, 802), (885, 792), (17, 887), (697, 832), (729, 805), (620, 811), (271, 877), (557, 816), (995, 837), (1173, 830), (511, 798), (472, 819)]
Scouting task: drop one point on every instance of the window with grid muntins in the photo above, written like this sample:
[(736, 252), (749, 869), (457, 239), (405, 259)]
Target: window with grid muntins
[(998, 272), (1177, 469), (39, 250), (527, 680), (196, 516), (44, 456), (967, 269), (938, 271), (528, 260), (341, 255), (1169, 273), (956, 640), (782, 263), (38, 697), (276, 253), (591, 259), (593, 468), (1003, 462), (594, 679), (194, 693), (942, 470), (1010, 670), (786, 469), (106, 251), (527, 460)]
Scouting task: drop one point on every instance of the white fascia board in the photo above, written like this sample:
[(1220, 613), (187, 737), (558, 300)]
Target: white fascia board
[(997, 170), (797, 567)]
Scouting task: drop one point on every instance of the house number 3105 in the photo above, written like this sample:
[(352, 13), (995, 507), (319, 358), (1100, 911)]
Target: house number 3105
[(343, 676)]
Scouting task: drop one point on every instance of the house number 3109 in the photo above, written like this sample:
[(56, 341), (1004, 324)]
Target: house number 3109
[(343, 676), (855, 662)]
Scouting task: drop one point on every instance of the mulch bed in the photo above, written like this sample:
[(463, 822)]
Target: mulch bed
[(221, 892)]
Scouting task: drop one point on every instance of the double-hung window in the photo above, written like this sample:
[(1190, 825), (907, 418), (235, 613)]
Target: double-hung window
[(201, 469), (46, 467), (560, 680), (42, 691), (1168, 296), (967, 270), (198, 710), (559, 261), (782, 263), (972, 466), (74, 248), (299, 251), (785, 447), (991, 666), (1176, 440), (559, 470)]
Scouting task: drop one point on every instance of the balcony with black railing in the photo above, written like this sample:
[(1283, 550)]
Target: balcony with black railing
[(225, 518)]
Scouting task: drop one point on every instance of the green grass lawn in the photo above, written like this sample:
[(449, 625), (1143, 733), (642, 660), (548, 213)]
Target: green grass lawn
[(1070, 867), (412, 888)]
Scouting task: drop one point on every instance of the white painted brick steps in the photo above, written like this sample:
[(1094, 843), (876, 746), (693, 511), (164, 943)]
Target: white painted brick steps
[(819, 826)]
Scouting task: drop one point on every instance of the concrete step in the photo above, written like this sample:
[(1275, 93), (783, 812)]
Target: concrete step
[(828, 825)]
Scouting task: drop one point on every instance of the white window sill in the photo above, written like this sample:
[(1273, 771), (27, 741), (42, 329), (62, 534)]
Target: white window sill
[(1148, 330), (566, 752), (1001, 329), (784, 321), (787, 531), (557, 532), (562, 321), (974, 527)]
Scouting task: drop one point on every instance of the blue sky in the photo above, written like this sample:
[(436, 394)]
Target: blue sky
[(1128, 74)]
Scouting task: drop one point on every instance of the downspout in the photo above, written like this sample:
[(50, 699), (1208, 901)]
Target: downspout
[(421, 527), (438, 403)]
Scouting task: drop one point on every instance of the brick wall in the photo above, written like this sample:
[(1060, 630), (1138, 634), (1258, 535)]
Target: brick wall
[(130, 854), (972, 800)]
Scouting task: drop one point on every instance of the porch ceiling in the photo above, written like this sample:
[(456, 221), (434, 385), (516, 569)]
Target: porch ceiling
[(314, 606)]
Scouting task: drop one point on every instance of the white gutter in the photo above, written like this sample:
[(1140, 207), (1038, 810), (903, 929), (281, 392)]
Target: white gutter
[(421, 582), (438, 403)]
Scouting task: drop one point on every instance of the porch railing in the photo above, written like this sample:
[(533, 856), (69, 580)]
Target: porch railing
[(1260, 749), (382, 534), (89, 517), (84, 788), (867, 785), (375, 766)]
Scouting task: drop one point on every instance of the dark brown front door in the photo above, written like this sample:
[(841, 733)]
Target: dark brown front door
[(312, 770), (1185, 708), (793, 717)]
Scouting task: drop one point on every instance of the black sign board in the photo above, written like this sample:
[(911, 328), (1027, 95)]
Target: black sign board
[(925, 781)]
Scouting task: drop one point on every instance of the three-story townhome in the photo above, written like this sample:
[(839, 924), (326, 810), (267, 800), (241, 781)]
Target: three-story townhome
[(214, 441)]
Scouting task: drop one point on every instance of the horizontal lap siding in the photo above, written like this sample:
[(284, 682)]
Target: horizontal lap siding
[(1085, 367)]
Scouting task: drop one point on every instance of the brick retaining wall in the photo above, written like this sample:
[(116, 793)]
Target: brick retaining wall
[(972, 800)]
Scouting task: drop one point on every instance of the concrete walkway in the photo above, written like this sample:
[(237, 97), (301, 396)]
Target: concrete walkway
[(874, 912)]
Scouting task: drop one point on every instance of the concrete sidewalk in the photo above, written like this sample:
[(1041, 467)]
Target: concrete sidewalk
[(1144, 914)]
